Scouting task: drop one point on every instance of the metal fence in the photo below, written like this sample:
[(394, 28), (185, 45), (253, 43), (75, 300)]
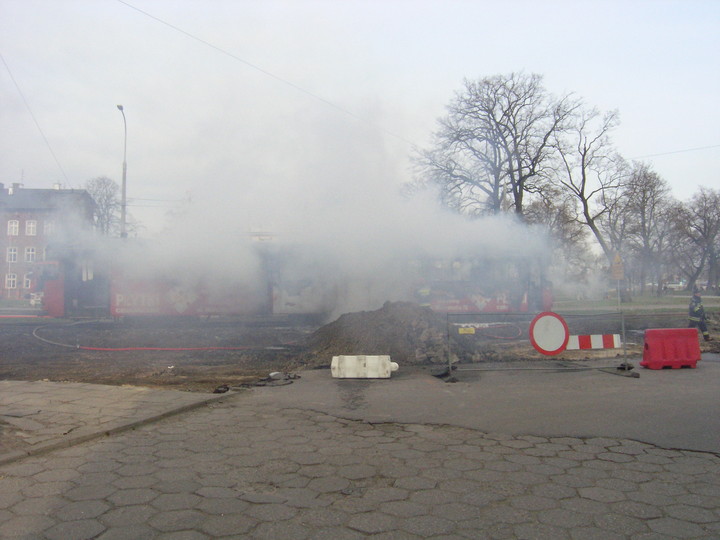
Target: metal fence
[(492, 337)]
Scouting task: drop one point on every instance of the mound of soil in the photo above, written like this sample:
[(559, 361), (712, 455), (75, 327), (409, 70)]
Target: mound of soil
[(409, 333)]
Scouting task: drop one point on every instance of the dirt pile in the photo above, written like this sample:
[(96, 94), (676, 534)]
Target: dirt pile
[(409, 333)]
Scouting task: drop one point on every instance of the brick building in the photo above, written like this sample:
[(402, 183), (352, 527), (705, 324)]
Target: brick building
[(34, 223)]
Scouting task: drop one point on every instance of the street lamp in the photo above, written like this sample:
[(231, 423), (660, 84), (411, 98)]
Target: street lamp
[(123, 204)]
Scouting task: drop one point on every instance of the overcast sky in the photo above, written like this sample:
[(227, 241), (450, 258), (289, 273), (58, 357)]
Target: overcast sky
[(260, 104)]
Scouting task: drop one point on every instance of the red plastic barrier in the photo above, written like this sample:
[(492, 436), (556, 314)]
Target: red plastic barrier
[(671, 348)]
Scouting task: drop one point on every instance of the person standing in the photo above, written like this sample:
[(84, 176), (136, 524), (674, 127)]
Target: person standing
[(696, 314)]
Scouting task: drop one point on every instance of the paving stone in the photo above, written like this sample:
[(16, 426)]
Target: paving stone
[(124, 532), (357, 471), (427, 525), (540, 531), (533, 502), (132, 496), (621, 524), (651, 498), (594, 533), (337, 533), (432, 496), (27, 526), (176, 520), (175, 501), (176, 486), (637, 509), (55, 475), (270, 512), (404, 509), (137, 469), (88, 493), (456, 485), (302, 498), (554, 491), (568, 519), (77, 530), (453, 511), (38, 506), (482, 498), (584, 506), (329, 484), (183, 535), (228, 471), (403, 535), (385, 494), (601, 494), (127, 515), (373, 522), (505, 514), (692, 514), (228, 525), (81, 510), (283, 529), (700, 501), (323, 518), (615, 457), (132, 482), (104, 478), (222, 506), (675, 528), (663, 488), (573, 481)]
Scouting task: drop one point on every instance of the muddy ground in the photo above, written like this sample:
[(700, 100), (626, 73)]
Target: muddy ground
[(195, 355), (204, 354)]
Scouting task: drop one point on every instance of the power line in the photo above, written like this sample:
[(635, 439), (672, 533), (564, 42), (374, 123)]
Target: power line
[(158, 200), (57, 161), (678, 151), (268, 73)]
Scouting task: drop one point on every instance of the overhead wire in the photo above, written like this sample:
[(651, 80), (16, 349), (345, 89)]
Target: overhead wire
[(270, 74), (678, 151), (322, 99), (37, 124)]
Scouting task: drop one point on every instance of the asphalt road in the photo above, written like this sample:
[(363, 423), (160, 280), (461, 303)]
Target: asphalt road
[(672, 408)]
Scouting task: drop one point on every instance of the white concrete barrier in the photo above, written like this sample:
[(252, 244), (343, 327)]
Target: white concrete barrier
[(362, 367)]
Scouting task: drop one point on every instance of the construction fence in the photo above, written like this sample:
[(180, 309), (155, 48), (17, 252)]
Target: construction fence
[(498, 337)]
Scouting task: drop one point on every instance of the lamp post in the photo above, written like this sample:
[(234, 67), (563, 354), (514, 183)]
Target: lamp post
[(123, 203)]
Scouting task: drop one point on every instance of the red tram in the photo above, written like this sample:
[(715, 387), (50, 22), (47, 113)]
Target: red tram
[(89, 285)]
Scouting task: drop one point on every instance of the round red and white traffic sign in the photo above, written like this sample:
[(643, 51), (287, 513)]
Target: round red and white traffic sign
[(549, 333)]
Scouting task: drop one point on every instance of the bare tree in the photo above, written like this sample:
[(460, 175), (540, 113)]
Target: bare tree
[(592, 173), (105, 193), (697, 225), (647, 202), (494, 146), (556, 211)]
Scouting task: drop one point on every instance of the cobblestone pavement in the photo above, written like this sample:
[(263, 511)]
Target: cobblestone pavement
[(235, 469), (38, 416)]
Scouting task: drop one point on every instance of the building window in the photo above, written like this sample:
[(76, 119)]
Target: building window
[(31, 227), (13, 227), (48, 227), (12, 254), (11, 281), (27, 281), (29, 254)]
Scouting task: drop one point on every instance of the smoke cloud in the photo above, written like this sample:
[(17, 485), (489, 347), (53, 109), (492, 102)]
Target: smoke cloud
[(336, 224)]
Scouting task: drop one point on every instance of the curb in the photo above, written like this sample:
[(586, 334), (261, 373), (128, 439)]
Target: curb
[(84, 435)]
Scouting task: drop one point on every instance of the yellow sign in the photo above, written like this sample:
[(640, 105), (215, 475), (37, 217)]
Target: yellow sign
[(618, 269), (466, 330)]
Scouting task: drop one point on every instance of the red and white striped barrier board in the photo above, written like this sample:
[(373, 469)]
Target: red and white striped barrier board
[(594, 341)]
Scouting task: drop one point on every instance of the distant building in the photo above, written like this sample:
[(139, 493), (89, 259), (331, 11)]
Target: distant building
[(37, 226)]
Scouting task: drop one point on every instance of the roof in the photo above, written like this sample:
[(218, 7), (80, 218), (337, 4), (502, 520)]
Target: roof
[(44, 199)]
